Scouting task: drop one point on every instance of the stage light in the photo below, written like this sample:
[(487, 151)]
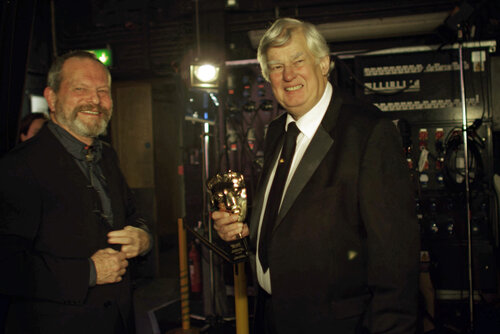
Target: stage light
[(205, 73), (231, 4), (204, 76)]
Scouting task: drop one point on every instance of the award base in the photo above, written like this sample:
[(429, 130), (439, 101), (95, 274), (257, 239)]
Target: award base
[(233, 252), (238, 250)]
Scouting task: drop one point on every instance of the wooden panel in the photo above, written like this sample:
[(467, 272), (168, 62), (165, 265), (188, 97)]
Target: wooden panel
[(132, 132), (168, 117)]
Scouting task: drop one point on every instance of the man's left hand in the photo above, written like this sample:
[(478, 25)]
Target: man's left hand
[(134, 240)]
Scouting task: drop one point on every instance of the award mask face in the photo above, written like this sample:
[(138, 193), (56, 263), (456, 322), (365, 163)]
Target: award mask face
[(229, 190)]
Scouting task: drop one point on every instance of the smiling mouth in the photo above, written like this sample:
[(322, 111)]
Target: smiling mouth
[(293, 88), (89, 112)]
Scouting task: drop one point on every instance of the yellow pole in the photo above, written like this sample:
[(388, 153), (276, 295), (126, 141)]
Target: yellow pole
[(183, 272), (240, 298)]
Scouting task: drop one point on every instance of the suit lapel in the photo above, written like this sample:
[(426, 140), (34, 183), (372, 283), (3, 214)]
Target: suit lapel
[(65, 163), (68, 170), (274, 141), (314, 155)]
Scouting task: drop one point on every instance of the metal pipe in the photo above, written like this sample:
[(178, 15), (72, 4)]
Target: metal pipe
[(53, 28), (467, 189), (205, 173), (197, 19)]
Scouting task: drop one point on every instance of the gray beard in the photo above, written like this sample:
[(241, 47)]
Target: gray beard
[(78, 127)]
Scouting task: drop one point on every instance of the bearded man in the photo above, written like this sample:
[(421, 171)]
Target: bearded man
[(68, 222)]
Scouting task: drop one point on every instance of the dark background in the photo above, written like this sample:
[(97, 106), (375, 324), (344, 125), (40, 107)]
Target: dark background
[(153, 42), (153, 38)]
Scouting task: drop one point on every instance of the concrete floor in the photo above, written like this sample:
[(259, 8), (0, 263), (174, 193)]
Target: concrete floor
[(150, 296), (157, 301), (154, 293), (157, 305)]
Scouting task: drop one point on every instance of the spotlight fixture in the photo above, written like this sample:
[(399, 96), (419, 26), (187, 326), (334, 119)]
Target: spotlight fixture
[(204, 76), (231, 4)]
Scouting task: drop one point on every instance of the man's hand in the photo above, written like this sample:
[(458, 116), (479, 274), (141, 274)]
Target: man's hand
[(109, 265), (134, 240), (228, 227)]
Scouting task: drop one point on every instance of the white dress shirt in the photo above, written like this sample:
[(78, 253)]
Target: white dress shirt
[(307, 124)]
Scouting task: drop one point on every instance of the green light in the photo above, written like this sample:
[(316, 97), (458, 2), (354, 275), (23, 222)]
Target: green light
[(104, 55)]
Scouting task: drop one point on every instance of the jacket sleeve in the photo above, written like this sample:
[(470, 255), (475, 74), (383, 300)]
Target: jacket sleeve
[(135, 219), (388, 214), (26, 272)]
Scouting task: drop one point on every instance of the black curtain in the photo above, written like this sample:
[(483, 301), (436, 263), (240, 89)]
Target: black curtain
[(17, 18)]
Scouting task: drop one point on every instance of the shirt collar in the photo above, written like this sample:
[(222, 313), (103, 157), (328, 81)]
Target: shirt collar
[(310, 121), (75, 147)]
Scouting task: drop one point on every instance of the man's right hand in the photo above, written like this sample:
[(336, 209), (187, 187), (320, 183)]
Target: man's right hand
[(109, 265), (228, 227)]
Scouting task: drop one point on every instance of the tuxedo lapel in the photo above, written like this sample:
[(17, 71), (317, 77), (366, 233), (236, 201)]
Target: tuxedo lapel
[(318, 148), (274, 141), (315, 153)]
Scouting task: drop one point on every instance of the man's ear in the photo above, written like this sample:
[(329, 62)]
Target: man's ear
[(51, 98), (324, 64)]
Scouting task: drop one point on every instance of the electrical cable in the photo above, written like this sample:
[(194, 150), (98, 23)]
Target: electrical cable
[(452, 170)]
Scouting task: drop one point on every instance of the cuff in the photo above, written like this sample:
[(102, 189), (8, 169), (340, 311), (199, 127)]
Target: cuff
[(93, 274)]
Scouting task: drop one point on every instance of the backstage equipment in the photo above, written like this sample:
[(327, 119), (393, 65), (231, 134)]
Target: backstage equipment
[(198, 162), (439, 96)]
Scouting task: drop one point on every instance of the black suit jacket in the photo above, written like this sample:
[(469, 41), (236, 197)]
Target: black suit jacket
[(344, 251), (49, 228)]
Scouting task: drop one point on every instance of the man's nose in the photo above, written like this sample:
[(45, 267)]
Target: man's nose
[(94, 97), (288, 73)]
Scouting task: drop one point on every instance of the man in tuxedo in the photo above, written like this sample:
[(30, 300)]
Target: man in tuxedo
[(332, 221), (68, 222)]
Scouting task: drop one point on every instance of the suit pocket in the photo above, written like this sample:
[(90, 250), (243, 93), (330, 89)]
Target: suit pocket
[(350, 307)]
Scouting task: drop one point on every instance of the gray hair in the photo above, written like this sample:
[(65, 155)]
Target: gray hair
[(280, 33), (54, 77)]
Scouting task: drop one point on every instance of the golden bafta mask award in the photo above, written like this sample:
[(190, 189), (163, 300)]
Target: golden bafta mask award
[(228, 192)]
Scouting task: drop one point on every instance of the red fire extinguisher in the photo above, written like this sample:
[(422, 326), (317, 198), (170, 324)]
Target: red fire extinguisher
[(194, 270)]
